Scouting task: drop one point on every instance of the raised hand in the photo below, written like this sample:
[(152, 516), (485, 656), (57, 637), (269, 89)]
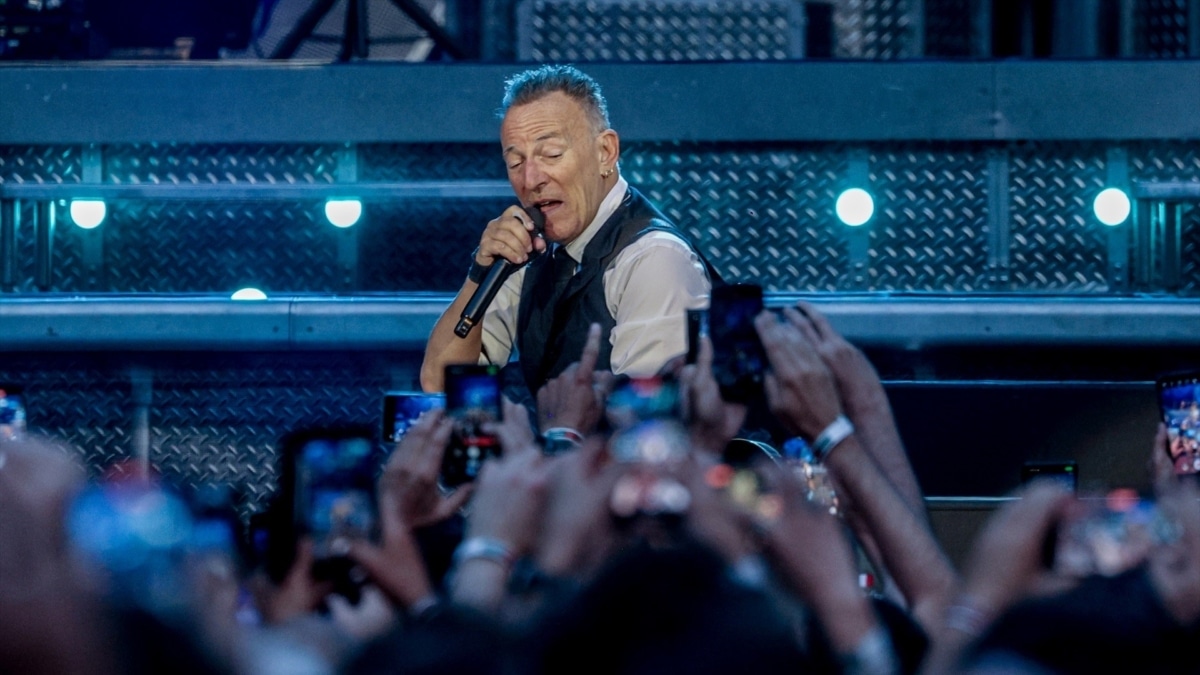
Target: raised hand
[(410, 475), (712, 422), (575, 399), (800, 389)]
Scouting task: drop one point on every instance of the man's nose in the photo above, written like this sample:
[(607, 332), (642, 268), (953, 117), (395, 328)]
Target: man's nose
[(533, 176)]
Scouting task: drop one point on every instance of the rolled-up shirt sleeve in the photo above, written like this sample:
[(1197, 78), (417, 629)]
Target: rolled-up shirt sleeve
[(648, 289)]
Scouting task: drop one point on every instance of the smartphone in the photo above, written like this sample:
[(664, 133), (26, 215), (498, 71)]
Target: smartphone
[(333, 500), (335, 491), (1064, 473), (1179, 403), (12, 413), (638, 399), (1110, 535), (401, 409), (738, 357), (472, 400)]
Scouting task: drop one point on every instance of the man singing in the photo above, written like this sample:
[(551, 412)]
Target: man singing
[(608, 256)]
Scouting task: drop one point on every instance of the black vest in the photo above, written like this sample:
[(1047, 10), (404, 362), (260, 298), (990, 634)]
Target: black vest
[(550, 338)]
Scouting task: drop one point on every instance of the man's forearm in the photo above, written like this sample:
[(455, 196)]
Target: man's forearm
[(444, 347)]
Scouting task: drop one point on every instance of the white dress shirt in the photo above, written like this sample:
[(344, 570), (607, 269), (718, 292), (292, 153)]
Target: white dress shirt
[(648, 288)]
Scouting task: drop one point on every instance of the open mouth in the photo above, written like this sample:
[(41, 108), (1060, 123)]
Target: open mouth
[(547, 205)]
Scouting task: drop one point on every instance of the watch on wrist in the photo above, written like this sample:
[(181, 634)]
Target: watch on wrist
[(478, 272)]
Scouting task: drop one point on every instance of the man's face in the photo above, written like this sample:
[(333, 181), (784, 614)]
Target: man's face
[(555, 160)]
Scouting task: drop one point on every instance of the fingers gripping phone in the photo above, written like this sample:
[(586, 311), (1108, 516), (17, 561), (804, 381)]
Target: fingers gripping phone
[(472, 400), (739, 360), (1179, 403)]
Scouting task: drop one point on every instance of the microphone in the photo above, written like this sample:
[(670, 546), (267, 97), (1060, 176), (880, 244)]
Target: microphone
[(486, 292)]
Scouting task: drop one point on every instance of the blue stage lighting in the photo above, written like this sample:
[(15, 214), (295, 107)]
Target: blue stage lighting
[(88, 213), (343, 212), (248, 294), (1112, 206), (855, 206)]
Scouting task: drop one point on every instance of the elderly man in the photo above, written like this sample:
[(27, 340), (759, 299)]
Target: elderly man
[(608, 256)]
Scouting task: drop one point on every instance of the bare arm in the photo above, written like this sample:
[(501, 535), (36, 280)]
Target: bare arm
[(444, 347), (509, 237), (802, 392), (865, 402)]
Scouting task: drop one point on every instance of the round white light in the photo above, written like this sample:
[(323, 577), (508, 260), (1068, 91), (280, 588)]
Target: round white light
[(855, 207), (248, 294), (88, 213), (343, 212), (1111, 206)]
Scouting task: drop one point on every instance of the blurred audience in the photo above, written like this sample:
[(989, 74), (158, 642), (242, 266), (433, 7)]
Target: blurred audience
[(619, 536)]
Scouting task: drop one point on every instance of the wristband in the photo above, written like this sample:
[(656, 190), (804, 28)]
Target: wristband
[(485, 548), (826, 441), (561, 439), (478, 272), (967, 616)]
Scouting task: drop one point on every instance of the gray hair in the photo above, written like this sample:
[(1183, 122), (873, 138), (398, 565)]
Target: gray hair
[(531, 85)]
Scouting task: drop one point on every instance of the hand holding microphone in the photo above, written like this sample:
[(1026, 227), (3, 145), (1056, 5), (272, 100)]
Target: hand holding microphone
[(519, 241)]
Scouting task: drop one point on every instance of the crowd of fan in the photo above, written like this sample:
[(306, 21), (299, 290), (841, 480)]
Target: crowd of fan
[(546, 577)]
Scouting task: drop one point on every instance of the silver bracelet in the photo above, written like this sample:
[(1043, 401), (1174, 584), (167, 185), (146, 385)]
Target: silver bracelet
[(825, 442), (486, 548)]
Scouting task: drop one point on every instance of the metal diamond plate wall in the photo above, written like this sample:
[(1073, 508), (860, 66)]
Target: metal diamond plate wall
[(949, 28), (175, 163), (79, 400), (432, 161), (40, 164), (876, 29), (930, 229), (222, 423), (1161, 28), (422, 246), (761, 214), (1056, 243), (181, 247), (1174, 162), (1190, 252), (674, 30)]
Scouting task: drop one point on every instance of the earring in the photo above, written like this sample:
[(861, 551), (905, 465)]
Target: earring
[(606, 173)]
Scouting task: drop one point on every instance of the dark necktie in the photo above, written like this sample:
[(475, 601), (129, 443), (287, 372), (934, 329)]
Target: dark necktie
[(563, 267)]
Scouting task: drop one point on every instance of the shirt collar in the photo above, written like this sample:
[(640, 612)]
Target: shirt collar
[(608, 206)]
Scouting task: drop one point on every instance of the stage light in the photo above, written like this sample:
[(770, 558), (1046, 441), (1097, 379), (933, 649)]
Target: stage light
[(248, 294), (343, 212), (88, 213), (1111, 206), (855, 207)]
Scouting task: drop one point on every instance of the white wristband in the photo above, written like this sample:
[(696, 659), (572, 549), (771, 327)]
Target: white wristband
[(825, 442)]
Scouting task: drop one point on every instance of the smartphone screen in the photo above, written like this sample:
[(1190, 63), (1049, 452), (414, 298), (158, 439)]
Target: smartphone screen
[(335, 491), (401, 410), (1179, 402), (12, 413), (639, 399), (738, 357), (472, 400), (1064, 473), (1111, 535)]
